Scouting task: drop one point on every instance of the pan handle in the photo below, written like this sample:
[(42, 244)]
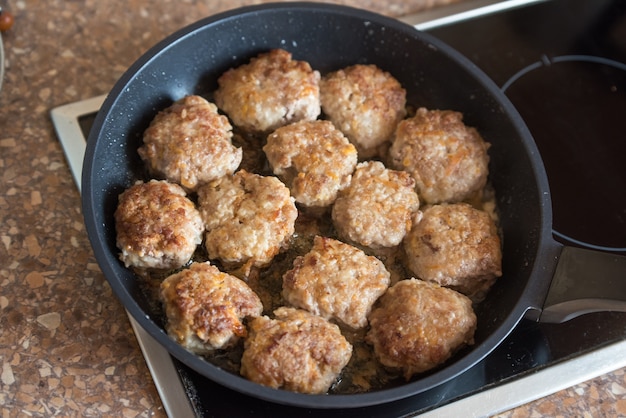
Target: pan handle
[(585, 281)]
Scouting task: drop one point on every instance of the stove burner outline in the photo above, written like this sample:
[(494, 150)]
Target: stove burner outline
[(546, 61), (586, 244)]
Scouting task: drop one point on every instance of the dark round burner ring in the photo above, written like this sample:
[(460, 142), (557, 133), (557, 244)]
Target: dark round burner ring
[(546, 62), (581, 149), (567, 238)]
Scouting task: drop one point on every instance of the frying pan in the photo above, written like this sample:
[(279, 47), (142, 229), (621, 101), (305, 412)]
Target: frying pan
[(330, 37)]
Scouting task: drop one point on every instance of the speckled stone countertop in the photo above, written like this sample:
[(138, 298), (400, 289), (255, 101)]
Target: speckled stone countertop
[(66, 345)]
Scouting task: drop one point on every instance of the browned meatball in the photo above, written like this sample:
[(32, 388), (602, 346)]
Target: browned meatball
[(313, 158), (270, 91), (190, 143), (205, 307), (157, 226), (248, 218), (447, 159), (378, 208), (457, 246), (296, 351), (365, 103), (419, 325), (336, 280)]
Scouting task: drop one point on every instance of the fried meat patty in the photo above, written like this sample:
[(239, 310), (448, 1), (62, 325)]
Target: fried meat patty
[(365, 103), (447, 159), (189, 143), (296, 351), (205, 307), (156, 225), (377, 208), (418, 325), (270, 91), (336, 280), (313, 158), (248, 218), (458, 246)]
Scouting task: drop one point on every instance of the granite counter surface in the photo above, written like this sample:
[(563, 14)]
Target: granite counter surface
[(66, 345)]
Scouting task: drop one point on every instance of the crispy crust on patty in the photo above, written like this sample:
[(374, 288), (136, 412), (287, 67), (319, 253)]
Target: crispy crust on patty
[(205, 308), (296, 351), (336, 280), (365, 103), (378, 208), (457, 246), (313, 158), (248, 218), (447, 159), (270, 91), (156, 225), (419, 325), (189, 143)]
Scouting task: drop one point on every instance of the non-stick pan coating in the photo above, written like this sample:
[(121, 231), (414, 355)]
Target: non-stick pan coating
[(328, 37)]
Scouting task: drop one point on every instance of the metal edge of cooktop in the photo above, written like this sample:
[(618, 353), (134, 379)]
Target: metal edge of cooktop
[(488, 402), (459, 11), (537, 384)]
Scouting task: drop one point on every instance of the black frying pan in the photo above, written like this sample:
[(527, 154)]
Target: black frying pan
[(330, 37)]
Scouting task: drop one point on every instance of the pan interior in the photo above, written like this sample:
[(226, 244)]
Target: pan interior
[(189, 62)]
